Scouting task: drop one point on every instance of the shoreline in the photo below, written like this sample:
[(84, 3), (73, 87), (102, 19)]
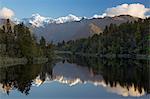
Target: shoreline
[(125, 56), (8, 61)]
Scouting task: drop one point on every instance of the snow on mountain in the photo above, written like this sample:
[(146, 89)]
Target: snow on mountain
[(40, 21), (68, 18), (37, 20), (72, 26), (16, 20)]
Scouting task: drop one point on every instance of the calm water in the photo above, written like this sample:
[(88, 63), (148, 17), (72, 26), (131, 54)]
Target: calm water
[(77, 78)]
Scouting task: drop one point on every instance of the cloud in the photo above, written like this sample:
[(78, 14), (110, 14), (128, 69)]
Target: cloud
[(99, 16), (136, 10), (6, 13)]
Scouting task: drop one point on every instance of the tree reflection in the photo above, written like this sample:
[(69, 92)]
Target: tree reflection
[(125, 72), (21, 77)]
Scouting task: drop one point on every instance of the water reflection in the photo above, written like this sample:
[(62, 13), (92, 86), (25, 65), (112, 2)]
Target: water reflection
[(18, 77), (122, 77)]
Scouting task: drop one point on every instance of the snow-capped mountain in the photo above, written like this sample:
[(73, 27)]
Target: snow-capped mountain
[(68, 18), (70, 27), (37, 20), (40, 21)]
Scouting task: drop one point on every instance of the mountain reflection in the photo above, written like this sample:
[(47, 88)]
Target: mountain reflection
[(123, 77)]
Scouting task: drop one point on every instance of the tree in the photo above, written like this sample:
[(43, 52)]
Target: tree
[(42, 42)]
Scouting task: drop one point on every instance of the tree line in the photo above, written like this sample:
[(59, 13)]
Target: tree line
[(126, 38), (18, 41)]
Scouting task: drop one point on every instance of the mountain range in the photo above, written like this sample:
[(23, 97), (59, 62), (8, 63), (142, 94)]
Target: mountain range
[(70, 27)]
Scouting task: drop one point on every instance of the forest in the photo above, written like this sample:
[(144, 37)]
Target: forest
[(130, 38), (17, 41)]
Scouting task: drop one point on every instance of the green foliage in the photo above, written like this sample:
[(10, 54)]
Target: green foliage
[(20, 42), (42, 42), (26, 44), (127, 38)]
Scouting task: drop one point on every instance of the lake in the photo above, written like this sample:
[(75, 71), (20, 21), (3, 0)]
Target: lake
[(77, 77)]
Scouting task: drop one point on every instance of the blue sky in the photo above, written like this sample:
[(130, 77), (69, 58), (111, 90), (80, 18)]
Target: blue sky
[(57, 8)]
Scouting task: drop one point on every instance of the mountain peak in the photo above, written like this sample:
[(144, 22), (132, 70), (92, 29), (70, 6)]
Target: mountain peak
[(54, 29), (39, 21), (68, 18)]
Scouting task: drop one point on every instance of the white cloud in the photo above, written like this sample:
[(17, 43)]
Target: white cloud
[(136, 10), (99, 16), (6, 13)]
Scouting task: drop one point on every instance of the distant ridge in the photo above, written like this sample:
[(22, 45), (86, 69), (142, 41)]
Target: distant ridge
[(70, 27), (78, 29)]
